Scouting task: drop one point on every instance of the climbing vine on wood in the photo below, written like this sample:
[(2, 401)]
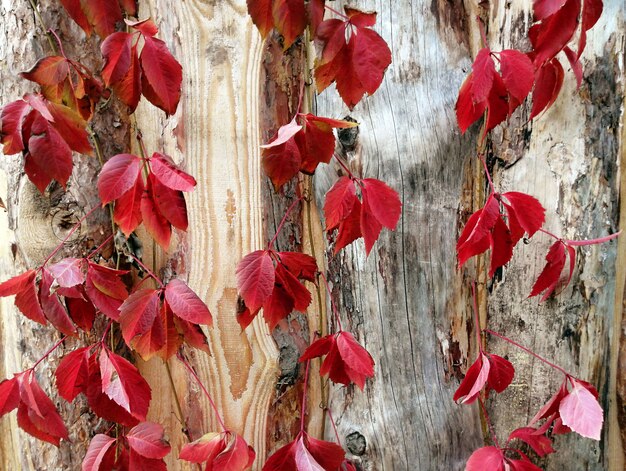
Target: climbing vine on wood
[(157, 317)]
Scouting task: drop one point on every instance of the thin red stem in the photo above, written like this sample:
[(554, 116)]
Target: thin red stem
[(306, 386), (282, 223), (344, 166), (477, 320), (491, 430), (600, 240), (549, 233), (204, 389), (106, 331), (530, 352), (332, 303), (332, 422), (101, 246), (338, 13), (47, 354), (148, 271), (142, 146), (74, 229), (56, 36), (482, 159)]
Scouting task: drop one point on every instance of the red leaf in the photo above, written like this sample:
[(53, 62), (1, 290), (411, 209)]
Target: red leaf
[(474, 381), (186, 304), (548, 83), (552, 406), (281, 163), (301, 265), (116, 50), (261, 13), (162, 75), (41, 414), (81, 311), (100, 403), (71, 127), (49, 157), (147, 439), (518, 73), (498, 106), (11, 120), (164, 169), (541, 444), (170, 203), (353, 56), (581, 412), (544, 8), (123, 383), (339, 203), (224, 451), (501, 243), (154, 340), (26, 295), (9, 395), (551, 273), (383, 202), (316, 12), (319, 141), (501, 373), (328, 455), (487, 458), (136, 461), (304, 459), (48, 71), (296, 290), (483, 71), (577, 67), (52, 307), (474, 239), (467, 111), (192, 334), (289, 19), (278, 306), (68, 272), (118, 175), (74, 9), (349, 228), (103, 15), (255, 278), (105, 289), (127, 214), (285, 133), (98, 448), (528, 211), (138, 312), (155, 223), (554, 32), (72, 374), (146, 27)]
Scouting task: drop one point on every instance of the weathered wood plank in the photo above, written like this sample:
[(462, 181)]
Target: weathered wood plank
[(402, 300)]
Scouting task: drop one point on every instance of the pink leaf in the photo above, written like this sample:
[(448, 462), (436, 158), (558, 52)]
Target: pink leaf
[(581, 412)]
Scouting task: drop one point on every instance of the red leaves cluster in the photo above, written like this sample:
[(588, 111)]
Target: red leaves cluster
[(69, 293), (114, 388), (142, 448), (157, 321), (46, 133), (306, 453), (353, 56), (288, 17), (158, 200), (346, 360), (488, 369), (67, 82), (500, 93), (300, 147), (493, 459), (378, 207), (101, 16), (224, 451), (487, 228), (36, 414), (153, 72), (271, 280)]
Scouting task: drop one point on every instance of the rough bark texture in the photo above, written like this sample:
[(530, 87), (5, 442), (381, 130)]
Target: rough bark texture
[(34, 224)]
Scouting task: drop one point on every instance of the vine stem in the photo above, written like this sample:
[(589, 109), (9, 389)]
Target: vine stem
[(527, 350), (306, 387), (67, 237), (541, 229), (204, 389), (106, 331), (338, 13), (42, 23), (282, 223), (332, 422), (148, 271), (181, 417), (49, 352), (482, 159), (476, 319), (332, 303), (101, 246), (488, 420), (344, 166), (56, 36)]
